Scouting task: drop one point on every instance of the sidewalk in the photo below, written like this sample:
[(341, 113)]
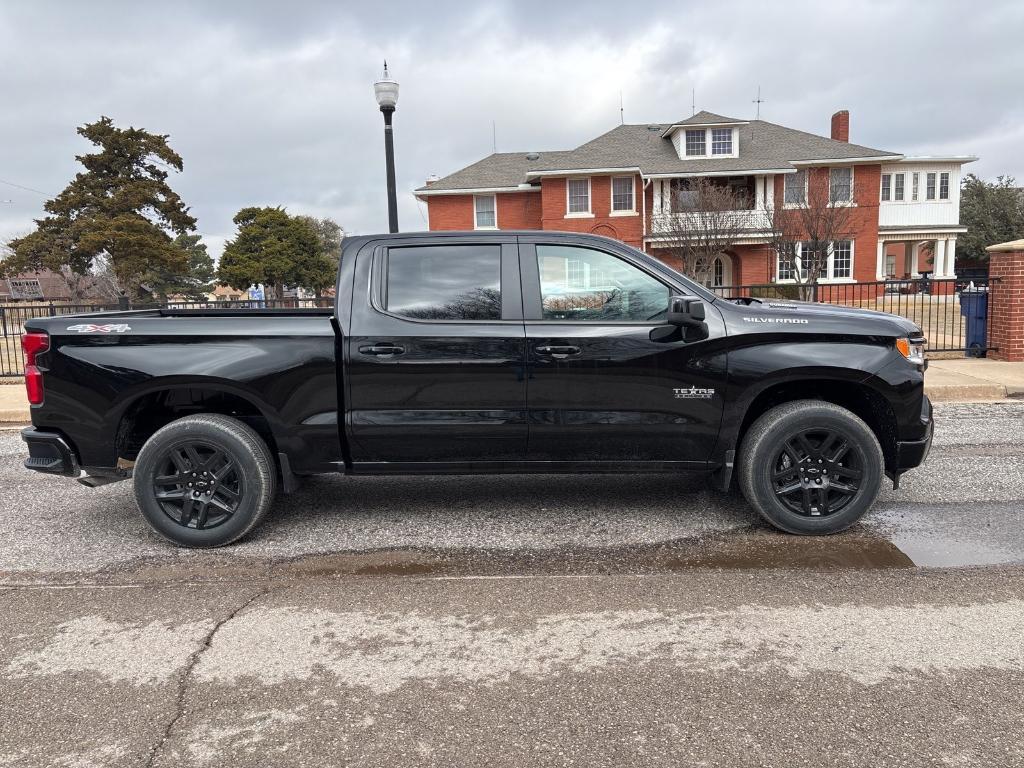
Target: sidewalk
[(966, 380)]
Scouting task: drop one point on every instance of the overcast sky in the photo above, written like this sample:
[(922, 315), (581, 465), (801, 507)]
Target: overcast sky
[(271, 103)]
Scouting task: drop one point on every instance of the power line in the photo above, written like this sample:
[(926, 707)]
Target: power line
[(27, 189)]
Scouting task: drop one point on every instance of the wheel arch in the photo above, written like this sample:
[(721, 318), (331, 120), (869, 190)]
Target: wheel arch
[(163, 401), (855, 396)]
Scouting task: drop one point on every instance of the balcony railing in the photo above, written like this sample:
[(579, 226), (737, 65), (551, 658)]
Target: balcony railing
[(680, 223)]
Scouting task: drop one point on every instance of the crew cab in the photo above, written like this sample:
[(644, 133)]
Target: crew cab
[(481, 352)]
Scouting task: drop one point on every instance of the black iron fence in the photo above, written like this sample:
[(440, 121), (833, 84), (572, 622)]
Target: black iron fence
[(954, 315), (14, 316)]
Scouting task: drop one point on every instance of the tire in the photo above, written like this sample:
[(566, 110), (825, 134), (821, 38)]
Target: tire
[(195, 510), (810, 467)]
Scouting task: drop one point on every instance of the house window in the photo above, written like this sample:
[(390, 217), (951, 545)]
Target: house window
[(786, 267), (575, 273), (897, 190), (890, 264), (913, 186), (718, 273), (886, 187), (796, 187), (943, 186), (484, 212), (622, 193), (841, 263), (683, 198), (929, 193), (696, 142), (721, 141), (579, 195), (840, 185)]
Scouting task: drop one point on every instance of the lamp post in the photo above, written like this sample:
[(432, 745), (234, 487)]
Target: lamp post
[(386, 91)]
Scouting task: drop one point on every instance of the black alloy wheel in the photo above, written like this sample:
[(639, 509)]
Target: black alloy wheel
[(198, 485), (818, 472)]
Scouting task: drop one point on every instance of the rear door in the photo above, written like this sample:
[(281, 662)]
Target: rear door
[(610, 381), (436, 353)]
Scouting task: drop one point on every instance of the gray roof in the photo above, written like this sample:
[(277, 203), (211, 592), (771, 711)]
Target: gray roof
[(708, 118), (762, 146)]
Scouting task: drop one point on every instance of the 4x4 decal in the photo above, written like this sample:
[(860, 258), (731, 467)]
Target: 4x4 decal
[(94, 328)]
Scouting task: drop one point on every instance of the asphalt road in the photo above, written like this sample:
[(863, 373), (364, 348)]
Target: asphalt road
[(514, 621)]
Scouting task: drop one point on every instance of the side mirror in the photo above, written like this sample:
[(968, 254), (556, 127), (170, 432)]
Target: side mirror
[(685, 311)]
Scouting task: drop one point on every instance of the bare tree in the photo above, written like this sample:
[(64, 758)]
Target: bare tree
[(802, 231), (708, 218)]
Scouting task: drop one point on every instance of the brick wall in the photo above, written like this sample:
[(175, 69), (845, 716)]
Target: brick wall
[(863, 217), (1006, 301), (516, 210), (628, 229)]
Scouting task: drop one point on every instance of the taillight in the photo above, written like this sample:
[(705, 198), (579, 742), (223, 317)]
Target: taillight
[(33, 343)]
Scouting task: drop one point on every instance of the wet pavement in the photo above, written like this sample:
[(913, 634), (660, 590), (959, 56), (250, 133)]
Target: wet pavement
[(510, 621)]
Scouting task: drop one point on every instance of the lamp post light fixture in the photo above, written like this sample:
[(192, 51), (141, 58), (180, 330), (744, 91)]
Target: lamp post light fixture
[(386, 91)]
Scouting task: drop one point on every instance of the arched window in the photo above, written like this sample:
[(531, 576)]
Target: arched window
[(718, 273)]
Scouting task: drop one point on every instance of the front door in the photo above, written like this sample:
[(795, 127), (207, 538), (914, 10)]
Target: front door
[(436, 355), (609, 382)]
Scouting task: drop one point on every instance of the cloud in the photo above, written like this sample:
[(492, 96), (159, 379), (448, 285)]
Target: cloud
[(272, 103)]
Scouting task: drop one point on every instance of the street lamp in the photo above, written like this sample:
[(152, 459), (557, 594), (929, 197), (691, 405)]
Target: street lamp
[(386, 91)]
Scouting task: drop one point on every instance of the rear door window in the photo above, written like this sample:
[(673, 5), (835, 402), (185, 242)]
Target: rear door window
[(444, 282)]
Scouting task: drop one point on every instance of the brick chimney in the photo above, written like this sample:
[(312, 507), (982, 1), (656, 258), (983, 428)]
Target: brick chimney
[(432, 178), (841, 125)]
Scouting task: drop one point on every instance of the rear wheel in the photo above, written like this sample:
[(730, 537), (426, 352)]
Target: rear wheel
[(204, 480), (810, 467)]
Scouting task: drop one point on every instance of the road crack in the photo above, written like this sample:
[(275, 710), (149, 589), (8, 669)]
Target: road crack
[(186, 674)]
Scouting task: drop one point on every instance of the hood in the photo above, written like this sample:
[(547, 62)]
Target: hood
[(817, 317)]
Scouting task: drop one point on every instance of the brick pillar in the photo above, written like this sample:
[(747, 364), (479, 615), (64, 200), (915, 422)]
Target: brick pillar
[(1006, 300)]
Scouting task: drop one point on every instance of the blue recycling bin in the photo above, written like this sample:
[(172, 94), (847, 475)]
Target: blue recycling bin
[(974, 308)]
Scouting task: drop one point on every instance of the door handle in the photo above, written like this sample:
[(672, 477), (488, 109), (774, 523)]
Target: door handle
[(556, 351), (382, 350)]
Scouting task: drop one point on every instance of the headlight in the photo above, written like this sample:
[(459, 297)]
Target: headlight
[(912, 349)]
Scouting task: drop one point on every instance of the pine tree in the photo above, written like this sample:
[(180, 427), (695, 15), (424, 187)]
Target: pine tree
[(120, 208)]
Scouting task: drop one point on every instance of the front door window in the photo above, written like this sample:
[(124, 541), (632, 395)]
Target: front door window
[(580, 284)]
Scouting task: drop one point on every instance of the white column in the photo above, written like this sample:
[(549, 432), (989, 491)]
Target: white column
[(880, 265), (657, 196), (915, 259), (940, 259), (759, 193), (769, 185), (951, 257)]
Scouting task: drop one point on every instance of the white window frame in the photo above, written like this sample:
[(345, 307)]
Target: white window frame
[(686, 142), (948, 178), (587, 214), (828, 278), (807, 175), (853, 186), (915, 186), (933, 178), (885, 193), (632, 195), (900, 187), (476, 224), (831, 267), (711, 135)]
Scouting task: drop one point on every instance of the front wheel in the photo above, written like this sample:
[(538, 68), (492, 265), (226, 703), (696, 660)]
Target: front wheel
[(810, 467), (204, 480)]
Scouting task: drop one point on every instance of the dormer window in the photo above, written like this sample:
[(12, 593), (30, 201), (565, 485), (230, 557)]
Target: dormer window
[(696, 143), (721, 141)]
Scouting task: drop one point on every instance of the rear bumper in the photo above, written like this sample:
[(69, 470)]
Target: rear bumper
[(49, 452), (912, 453)]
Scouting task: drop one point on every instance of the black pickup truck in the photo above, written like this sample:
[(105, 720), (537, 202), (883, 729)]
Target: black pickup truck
[(481, 352)]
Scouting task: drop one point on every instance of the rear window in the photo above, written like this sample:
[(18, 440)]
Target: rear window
[(444, 282)]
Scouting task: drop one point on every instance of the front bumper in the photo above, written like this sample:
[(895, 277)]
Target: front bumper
[(912, 453), (49, 452)]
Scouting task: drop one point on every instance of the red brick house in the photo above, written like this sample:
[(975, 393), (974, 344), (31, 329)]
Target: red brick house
[(625, 184)]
